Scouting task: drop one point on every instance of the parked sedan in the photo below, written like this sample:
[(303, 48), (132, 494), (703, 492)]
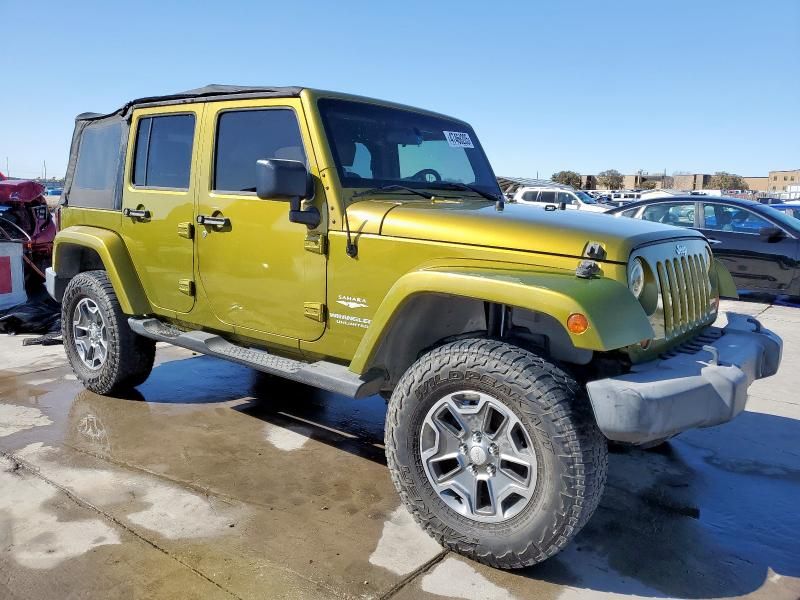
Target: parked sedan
[(793, 210), (759, 245)]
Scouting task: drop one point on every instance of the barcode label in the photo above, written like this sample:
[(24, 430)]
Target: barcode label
[(458, 139)]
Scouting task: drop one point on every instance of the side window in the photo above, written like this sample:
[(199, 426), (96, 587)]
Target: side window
[(247, 136), (549, 197), (529, 196), (565, 197), (721, 217), (679, 214), (631, 212), (163, 155)]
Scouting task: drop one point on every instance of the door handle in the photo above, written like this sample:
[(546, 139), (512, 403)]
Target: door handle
[(213, 221), (136, 213)]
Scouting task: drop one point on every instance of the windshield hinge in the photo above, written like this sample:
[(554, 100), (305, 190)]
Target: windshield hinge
[(186, 230), (186, 286), (314, 311), (316, 243)]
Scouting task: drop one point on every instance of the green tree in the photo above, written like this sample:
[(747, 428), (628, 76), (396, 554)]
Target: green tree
[(610, 178), (567, 178), (727, 181)]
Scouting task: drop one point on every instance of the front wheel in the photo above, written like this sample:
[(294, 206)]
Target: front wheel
[(105, 355), (495, 452)]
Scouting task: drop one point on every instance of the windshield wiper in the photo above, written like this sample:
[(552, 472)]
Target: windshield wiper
[(452, 185), (394, 187)]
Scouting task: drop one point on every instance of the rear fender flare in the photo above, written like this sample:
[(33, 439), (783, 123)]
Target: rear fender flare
[(115, 258)]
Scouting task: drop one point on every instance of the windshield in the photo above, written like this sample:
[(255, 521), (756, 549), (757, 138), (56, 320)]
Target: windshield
[(585, 198), (376, 146)]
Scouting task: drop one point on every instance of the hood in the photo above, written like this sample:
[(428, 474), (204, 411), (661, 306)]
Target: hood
[(20, 190), (598, 208), (460, 221)]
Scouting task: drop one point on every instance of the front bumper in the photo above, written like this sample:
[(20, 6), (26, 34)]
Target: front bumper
[(698, 384)]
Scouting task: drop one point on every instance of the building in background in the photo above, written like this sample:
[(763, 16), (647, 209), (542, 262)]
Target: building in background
[(757, 184), (772, 185), (779, 181), (696, 181)]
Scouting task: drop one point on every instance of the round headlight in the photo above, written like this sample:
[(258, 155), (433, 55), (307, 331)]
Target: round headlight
[(636, 277)]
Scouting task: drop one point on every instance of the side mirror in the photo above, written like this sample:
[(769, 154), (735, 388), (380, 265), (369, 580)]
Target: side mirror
[(772, 234), (278, 179)]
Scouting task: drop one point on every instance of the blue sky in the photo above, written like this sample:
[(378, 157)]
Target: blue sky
[(682, 86)]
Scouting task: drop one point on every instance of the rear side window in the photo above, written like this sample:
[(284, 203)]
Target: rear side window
[(247, 136), (98, 156), (547, 197), (678, 214), (97, 169), (164, 151)]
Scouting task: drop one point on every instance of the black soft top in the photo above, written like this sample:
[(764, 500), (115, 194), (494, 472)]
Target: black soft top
[(104, 157), (207, 92)]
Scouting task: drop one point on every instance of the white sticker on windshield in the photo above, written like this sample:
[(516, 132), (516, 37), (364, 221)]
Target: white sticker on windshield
[(458, 139)]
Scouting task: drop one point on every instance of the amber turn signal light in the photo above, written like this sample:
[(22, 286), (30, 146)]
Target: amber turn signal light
[(577, 323)]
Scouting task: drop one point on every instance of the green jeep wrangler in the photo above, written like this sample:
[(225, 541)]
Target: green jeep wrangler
[(364, 247)]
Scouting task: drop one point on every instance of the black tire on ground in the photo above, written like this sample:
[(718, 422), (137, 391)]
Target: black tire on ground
[(571, 453), (130, 356)]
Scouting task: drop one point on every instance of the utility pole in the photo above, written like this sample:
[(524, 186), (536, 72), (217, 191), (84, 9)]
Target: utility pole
[(8, 174), (44, 163)]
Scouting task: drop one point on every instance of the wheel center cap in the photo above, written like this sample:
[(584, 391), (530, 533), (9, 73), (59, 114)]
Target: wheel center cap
[(477, 455)]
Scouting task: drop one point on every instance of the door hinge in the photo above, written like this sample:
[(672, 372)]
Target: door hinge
[(186, 230), (316, 243), (314, 311), (186, 286)]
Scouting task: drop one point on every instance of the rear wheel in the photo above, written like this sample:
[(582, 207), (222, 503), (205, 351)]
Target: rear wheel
[(495, 452), (105, 355)]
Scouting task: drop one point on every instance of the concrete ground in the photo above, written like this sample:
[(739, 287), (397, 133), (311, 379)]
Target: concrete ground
[(211, 481)]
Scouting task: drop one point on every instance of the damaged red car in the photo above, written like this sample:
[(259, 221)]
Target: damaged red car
[(25, 218)]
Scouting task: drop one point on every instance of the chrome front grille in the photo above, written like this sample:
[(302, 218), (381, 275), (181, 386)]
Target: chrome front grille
[(685, 301)]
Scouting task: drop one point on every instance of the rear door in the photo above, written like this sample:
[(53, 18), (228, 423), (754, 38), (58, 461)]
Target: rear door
[(547, 198), (754, 261), (158, 203)]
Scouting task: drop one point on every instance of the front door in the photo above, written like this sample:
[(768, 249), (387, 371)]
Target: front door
[(755, 261), (158, 203), (255, 270)]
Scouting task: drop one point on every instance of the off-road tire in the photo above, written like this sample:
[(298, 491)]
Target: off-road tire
[(572, 454), (130, 356)]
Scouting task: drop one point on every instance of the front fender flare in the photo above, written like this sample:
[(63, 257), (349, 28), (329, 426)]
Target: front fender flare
[(726, 287), (616, 319), (115, 258)]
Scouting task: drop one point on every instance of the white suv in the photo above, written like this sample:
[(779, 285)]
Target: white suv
[(553, 196)]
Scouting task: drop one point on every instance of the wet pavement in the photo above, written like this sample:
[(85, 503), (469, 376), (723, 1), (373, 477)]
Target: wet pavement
[(212, 481)]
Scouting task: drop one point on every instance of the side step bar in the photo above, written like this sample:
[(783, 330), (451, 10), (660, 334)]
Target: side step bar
[(321, 374)]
